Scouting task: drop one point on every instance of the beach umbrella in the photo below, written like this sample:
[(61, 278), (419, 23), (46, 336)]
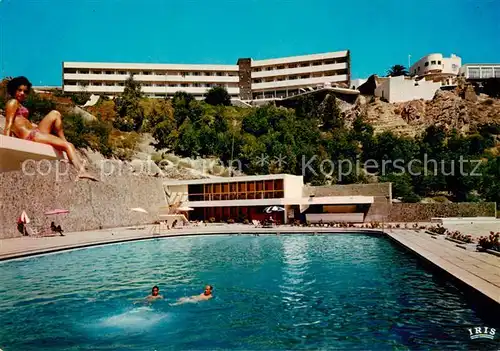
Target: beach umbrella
[(56, 212), (138, 209), (273, 209), (24, 218)]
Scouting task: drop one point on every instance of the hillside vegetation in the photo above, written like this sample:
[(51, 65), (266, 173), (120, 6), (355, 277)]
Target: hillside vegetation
[(320, 140)]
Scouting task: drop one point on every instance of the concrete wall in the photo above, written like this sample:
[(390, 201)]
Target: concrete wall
[(91, 204), (404, 212), (372, 189), (399, 89)]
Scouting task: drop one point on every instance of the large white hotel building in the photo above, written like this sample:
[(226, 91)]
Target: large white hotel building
[(247, 80)]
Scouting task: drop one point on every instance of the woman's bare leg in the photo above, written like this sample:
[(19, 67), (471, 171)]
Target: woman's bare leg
[(70, 150), (52, 123)]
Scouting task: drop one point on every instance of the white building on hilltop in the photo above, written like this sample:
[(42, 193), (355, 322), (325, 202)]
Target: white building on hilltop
[(401, 89), (247, 80), (157, 80), (436, 65)]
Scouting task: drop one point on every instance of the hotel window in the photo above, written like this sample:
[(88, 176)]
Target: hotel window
[(439, 62), (487, 72), (433, 62), (292, 65), (146, 73), (197, 85), (330, 62), (497, 72), (184, 85), (292, 77), (427, 64), (305, 76), (269, 68), (317, 63), (122, 72), (281, 67), (219, 74), (474, 73), (109, 72), (304, 64), (454, 67)]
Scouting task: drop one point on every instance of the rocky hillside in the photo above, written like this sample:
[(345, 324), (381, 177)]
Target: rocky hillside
[(447, 109)]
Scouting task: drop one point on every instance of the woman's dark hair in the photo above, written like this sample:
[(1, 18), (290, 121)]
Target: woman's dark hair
[(155, 287), (15, 83)]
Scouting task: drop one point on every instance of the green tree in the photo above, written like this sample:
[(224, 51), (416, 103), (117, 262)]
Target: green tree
[(329, 113), (397, 70), (218, 95), (402, 186), (130, 113)]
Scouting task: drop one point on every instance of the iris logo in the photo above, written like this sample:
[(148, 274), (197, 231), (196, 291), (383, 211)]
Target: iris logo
[(482, 333)]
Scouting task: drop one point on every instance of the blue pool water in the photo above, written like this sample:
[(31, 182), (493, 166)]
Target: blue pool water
[(336, 292)]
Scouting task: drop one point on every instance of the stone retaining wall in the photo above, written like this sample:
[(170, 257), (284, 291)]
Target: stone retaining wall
[(92, 204), (419, 212)]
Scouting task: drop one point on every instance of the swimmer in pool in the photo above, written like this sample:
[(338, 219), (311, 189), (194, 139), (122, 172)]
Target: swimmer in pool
[(155, 294), (205, 295)]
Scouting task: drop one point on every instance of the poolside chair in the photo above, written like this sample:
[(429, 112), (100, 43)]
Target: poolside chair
[(256, 223)]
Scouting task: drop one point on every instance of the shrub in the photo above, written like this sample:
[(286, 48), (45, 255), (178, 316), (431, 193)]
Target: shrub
[(490, 242), (462, 237), (437, 229)]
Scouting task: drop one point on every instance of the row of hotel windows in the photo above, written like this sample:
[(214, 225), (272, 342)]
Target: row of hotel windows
[(172, 85), (483, 72), (273, 94), (264, 189), (454, 67), (152, 73), (303, 76), (300, 64)]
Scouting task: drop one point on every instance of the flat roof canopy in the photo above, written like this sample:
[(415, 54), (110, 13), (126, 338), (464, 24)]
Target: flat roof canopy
[(324, 200), (216, 180)]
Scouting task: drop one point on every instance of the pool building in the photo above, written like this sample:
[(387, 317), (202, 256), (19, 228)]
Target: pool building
[(246, 197)]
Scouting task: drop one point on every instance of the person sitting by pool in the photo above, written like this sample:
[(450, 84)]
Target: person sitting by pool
[(18, 124), (155, 294), (56, 229), (205, 295)]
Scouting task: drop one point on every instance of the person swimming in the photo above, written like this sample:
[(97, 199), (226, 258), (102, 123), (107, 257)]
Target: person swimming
[(155, 294), (205, 295)]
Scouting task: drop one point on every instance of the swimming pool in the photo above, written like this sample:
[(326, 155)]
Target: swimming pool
[(348, 291)]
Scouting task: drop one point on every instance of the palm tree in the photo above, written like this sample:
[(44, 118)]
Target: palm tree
[(397, 70)]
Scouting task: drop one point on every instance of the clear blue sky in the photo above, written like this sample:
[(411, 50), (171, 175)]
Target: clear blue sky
[(37, 35)]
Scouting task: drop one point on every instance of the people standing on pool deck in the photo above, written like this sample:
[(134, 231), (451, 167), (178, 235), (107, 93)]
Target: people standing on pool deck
[(205, 295), (18, 124), (155, 294)]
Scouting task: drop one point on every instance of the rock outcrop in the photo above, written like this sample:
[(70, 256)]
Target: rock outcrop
[(447, 109)]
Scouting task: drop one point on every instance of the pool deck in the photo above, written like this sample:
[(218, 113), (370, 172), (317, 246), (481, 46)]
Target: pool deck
[(478, 270)]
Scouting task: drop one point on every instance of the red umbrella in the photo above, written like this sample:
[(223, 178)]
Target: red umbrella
[(54, 212)]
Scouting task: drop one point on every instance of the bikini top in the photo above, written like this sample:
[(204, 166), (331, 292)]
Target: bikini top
[(22, 111)]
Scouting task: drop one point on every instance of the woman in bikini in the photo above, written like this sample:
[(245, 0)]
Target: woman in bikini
[(17, 123)]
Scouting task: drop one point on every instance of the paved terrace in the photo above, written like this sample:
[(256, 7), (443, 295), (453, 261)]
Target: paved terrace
[(478, 270)]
